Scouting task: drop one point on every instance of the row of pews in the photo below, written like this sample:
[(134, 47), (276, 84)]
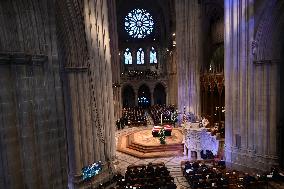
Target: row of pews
[(212, 175), (150, 176)]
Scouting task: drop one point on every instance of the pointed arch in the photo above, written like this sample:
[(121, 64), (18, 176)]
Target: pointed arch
[(144, 96), (140, 56), (160, 96), (128, 96), (127, 56)]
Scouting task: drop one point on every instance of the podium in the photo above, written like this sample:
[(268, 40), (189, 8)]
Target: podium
[(197, 139)]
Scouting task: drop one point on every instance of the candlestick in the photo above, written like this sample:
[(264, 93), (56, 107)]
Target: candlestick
[(161, 119)]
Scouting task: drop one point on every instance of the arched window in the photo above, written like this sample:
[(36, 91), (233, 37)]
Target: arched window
[(153, 56), (138, 23), (140, 56), (127, 56)]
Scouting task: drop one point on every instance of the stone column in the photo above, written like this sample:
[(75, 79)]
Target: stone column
[(136, 98), (73, 134), (152, 96), (250, 93), (211, 101), (189, 54), (115, 62), (92, 128), (172, 81), (198, 155), (167, 96)]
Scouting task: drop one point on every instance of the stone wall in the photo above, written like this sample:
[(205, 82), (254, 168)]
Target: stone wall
[(115, 62), (85, 57), (32, 123), (281, 109)]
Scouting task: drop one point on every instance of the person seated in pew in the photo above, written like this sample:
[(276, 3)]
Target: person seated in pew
[(142, 172), (164, 171), (150, 169)]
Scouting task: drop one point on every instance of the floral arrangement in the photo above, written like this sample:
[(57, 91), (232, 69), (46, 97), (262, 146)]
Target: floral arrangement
[(162, 136)]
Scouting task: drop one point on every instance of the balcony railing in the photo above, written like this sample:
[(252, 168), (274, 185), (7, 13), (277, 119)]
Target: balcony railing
[(138, 75)]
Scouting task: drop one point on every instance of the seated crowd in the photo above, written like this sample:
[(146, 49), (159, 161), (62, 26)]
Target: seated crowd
[(204, 176), (166, 111), (151, 176), (133, 116), (207, 154), (199, 174)]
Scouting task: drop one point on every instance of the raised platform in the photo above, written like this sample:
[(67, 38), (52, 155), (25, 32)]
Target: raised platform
[(143, 145)]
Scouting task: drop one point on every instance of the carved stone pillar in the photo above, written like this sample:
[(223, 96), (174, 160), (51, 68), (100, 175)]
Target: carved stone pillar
[(167, 96), (91, 112), (198, 155), (136, 97), (250, 139), (115, 62), (172, 81), (152, 96), (189, 54)]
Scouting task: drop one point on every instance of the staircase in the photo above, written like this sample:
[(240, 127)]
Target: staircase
[(131, 144)]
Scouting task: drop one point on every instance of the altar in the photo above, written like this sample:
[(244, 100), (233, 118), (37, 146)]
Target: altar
[(197, 139), (156, 129)]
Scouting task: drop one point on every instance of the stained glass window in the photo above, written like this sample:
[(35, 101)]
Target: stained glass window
[(153, 56), (139, 23), (127, 56), (91, 170), (140, 56)]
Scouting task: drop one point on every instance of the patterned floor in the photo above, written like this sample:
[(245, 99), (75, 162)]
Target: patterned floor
[(173, 163)]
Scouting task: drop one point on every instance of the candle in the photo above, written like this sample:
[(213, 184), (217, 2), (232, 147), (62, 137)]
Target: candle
[(161, 119)]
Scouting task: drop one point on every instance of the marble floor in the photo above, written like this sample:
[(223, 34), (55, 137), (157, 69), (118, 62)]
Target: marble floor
[(173, 163)]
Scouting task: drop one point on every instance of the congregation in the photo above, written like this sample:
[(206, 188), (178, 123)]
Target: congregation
[(134, 116), (211, 175), (166, 112)]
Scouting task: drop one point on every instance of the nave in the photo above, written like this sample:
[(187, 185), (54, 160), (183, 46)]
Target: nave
[(77, 75)]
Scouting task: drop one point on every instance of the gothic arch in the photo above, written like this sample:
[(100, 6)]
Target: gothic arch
[(144, 95), (266, 46), (160, 95), (128, 96)]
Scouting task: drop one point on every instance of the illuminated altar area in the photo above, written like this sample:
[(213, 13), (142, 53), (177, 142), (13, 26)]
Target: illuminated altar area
[(141, 143)]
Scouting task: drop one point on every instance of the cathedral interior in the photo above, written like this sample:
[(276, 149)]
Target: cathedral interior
[(141, 94)]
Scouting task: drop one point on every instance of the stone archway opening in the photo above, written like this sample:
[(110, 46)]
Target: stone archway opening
[(144, 96), (128, 96), (160, 96)]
